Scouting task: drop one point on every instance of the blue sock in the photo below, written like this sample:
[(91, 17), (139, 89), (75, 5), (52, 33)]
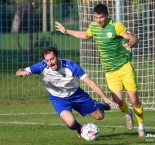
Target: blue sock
[(77, 126)]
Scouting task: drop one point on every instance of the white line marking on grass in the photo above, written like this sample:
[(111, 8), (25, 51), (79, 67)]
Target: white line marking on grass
[(32, 123), (46, 113), (13, 114), (119, 126), (61, 124)]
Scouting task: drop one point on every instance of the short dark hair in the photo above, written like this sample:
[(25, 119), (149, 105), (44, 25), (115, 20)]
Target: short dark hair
[(48, 50), (101, 9)]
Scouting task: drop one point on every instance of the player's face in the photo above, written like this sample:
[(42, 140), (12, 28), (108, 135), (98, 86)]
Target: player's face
[(101, 19), (52, 61)]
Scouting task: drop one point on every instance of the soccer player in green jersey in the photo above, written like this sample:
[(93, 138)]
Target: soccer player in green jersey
[(114, 43)]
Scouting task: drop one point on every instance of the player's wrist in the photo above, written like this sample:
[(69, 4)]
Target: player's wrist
[(129, 45), (65, 31)]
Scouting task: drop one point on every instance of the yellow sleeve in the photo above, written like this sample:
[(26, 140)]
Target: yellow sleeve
[(88, 32), (120, 28)]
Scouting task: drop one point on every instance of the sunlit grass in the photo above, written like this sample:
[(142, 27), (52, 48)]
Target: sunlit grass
[(34, 121)]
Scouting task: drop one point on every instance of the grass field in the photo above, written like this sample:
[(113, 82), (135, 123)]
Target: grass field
[(26, 121), (34, 122)]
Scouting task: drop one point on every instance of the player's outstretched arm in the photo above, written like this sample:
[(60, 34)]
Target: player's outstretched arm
[(98, 90), (74, 33), (22, 72), (133, 40)]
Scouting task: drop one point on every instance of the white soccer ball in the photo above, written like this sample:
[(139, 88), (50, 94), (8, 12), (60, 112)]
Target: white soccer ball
[(89, 132)]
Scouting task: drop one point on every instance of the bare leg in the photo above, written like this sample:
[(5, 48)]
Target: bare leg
[(71, 122), (98, 114), (134, 99), (118, 97), (138, 110)]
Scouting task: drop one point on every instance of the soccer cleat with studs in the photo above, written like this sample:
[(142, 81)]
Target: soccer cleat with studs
[(129, 120), (79, 133), (106, 106)]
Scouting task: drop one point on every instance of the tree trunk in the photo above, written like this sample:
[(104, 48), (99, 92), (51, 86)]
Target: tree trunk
[(16, 21)]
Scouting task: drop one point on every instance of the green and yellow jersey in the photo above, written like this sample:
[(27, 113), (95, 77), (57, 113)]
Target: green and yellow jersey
[(109, 41)]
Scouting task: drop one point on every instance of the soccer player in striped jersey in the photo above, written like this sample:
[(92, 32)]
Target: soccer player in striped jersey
[(59, 78), (114, 43)]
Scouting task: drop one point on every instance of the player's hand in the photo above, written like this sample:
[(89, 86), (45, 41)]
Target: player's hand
[(25, 73), (111, 103), (127, 46), (60, 27), (22, 72)]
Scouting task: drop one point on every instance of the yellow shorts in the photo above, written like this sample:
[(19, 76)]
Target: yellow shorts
[(124, 77)]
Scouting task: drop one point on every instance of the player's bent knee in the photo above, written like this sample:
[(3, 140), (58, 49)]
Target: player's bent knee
[(100, 117)]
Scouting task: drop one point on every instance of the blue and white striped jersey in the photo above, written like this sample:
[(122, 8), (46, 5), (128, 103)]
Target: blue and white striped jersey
[(61, 83)]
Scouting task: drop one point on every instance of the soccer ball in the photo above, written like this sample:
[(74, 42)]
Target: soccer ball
[(89, 132)]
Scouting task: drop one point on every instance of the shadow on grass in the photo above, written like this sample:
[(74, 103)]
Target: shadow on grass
[(131, 138)]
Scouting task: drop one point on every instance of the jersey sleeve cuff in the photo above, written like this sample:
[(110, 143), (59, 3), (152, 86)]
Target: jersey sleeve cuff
[(28, 69), (82, 77)]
